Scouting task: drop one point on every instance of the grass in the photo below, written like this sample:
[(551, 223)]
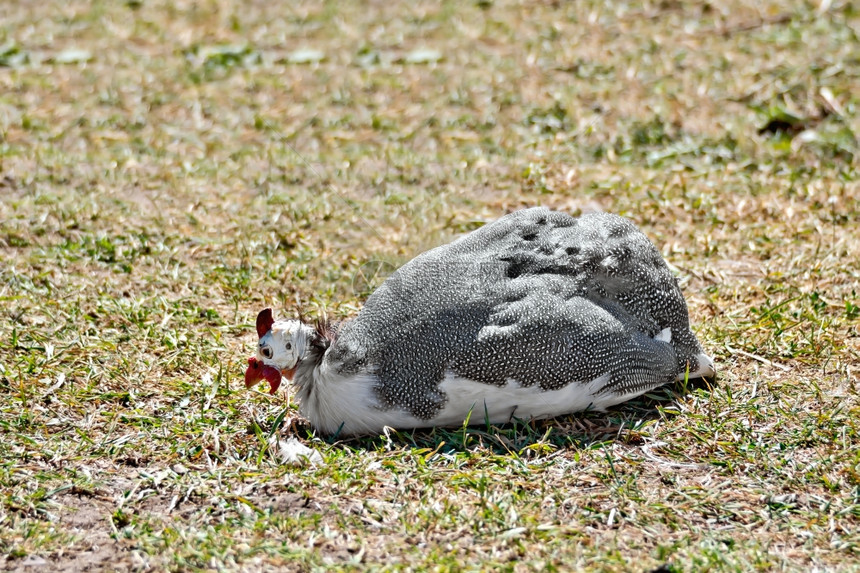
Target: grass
[(167, 169)]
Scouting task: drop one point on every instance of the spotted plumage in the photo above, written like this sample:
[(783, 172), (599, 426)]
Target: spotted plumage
[(534, 315)]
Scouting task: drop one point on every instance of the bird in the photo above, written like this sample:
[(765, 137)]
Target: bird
[(535, 315)]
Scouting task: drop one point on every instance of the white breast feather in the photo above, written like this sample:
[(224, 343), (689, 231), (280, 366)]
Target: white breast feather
[(348, 401)]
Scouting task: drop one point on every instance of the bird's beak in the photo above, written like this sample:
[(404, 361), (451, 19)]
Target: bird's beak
[(258, 371)]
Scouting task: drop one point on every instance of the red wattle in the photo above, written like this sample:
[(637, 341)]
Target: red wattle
[(273, 375), (258, 371)]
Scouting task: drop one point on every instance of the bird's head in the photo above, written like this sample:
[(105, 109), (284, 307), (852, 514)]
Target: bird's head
[(280, 350)]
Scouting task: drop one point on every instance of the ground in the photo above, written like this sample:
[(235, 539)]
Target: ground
[(168, 169)]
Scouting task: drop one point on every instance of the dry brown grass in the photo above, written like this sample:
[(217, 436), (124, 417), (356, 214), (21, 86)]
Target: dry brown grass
[(169, 168)]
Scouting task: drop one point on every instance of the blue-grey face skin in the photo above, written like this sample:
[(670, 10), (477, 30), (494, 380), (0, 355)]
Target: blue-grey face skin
[(279, 350), (284, 345)]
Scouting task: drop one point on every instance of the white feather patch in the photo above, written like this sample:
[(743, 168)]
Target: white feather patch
[(348, 405), (706, 368), (502, 404)]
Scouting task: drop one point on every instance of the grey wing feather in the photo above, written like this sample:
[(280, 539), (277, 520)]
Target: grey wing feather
[(537, 296)]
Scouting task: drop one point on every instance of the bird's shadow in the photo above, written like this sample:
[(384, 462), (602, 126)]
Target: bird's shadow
[(582, 430)]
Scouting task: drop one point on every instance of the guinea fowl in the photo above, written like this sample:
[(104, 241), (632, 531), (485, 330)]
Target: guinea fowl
[(535, 315)]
